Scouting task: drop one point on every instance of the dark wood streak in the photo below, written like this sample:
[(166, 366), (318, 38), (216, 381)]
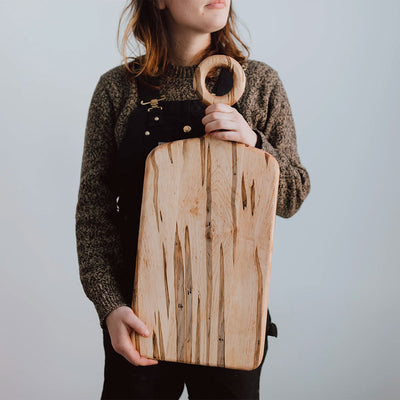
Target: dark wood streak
[(197, 356), (170, 152), (233, 197), (221, 311), (266, 159), (136, 335), (202, 157), (259, 310), (155, 188), (160, 336), (156, 354), (167, 298), (253, 197), (208, 234), (244, 194), (179, 297), (137, 342), (188, 288)]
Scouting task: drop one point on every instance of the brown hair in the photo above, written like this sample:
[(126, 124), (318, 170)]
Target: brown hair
[(147, 24)]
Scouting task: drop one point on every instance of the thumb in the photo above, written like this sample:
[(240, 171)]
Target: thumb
[(137, 324)]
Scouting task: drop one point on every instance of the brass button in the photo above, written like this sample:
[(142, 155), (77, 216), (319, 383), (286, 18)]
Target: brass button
[(187, 128), (156, 118), (147, 133)]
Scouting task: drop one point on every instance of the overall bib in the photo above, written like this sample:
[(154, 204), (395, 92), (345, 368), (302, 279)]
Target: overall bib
[(148, 126)]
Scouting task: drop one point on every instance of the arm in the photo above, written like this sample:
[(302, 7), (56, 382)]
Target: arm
[(98, 240), (98, 243), (275, 134), (278, 138)]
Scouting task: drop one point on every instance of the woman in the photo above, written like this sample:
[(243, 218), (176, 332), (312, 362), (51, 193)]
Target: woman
[(122, 129)]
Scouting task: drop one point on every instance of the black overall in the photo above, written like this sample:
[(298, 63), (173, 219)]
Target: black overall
[(148, 127)]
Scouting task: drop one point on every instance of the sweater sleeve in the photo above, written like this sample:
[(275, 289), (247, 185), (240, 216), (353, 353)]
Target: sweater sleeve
[(98, 241), (278, 137)]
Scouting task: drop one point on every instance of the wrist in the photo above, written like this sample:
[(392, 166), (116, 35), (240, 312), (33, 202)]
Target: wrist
[(254, 139)]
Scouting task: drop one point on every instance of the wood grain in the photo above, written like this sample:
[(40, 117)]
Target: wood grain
[(204, 252), (203, 69)]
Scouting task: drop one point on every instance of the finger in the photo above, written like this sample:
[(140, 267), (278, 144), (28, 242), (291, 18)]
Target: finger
[(220, 125), (137, 324), (216, 116), (124, 345), (127, 350), (233, 136), (135, 358), (219, 107)]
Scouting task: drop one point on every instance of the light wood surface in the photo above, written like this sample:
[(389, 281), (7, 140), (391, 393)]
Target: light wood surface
[(205, 245), (239, 80), (204, 252)]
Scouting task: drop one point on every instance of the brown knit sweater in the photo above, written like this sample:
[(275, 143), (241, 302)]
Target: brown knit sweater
[(265, 107)]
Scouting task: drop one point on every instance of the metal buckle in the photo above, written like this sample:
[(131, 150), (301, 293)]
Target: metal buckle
[(153, 103)]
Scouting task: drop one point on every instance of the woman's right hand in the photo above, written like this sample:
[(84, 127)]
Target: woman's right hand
[(120, 323)]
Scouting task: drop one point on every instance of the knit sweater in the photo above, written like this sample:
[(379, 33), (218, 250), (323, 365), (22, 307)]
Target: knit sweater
[(265, 107)]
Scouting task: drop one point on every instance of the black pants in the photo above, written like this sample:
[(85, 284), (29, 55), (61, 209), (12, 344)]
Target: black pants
[(123, 380)]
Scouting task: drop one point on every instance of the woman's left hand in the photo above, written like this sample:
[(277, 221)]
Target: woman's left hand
[(225, 122)]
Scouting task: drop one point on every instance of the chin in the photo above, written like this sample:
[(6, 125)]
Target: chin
[(215, 27)]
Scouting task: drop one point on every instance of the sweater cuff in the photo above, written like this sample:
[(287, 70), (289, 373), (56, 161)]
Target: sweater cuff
[(105, 295), (258, 144), (262, 143), (107, 308)]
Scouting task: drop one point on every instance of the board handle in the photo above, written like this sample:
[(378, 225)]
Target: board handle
[(202, 70)]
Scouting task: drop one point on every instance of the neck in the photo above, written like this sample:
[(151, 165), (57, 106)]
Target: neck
[(186, 48)]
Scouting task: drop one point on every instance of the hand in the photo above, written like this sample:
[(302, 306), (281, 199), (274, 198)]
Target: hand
[(120, 323), (225, 122)]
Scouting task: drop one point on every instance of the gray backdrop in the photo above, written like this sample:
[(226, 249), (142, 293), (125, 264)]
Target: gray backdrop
[(334, 272)]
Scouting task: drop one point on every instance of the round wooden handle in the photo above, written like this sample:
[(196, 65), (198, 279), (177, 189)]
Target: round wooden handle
[(239, 80)]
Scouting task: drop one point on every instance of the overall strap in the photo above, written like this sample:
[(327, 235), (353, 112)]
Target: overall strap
[(224, 83), (148, 90), (151, 90)]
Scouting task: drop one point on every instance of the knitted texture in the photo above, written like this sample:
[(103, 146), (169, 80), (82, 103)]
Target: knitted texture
[(265, 107)]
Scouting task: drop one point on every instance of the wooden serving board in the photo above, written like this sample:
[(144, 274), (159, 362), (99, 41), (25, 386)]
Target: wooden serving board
[(204, 252)]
